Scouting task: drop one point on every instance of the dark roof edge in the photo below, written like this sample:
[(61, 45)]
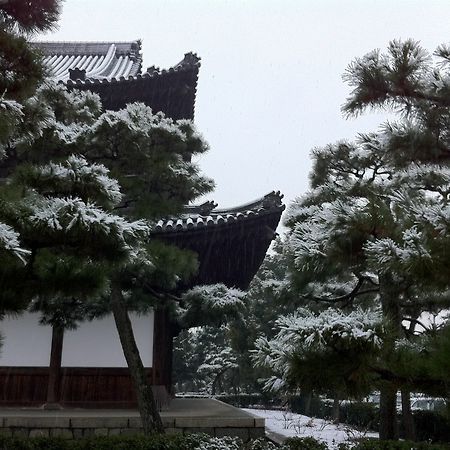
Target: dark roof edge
[(190, 62), (195, 217)]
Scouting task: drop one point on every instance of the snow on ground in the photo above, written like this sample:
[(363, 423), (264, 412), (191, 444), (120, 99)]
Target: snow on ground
[(286, 424)]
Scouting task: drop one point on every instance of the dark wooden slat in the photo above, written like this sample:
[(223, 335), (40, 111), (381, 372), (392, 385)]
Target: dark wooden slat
[(83, 387)]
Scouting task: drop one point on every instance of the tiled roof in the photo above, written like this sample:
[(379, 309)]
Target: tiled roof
[(206, 215), (113, 71), (98, 60), (190, 61)]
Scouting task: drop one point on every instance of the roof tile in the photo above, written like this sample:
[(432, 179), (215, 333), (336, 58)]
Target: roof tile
[(100, 60), (195, 217)]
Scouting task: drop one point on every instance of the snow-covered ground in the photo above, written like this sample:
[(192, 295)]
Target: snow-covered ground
[(286, 424)]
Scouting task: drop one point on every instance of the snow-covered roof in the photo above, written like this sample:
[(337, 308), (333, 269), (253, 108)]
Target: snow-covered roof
[(113, 70), (94, 60), (207, 215)]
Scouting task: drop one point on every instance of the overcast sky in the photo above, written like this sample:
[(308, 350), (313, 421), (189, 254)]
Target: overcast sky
[(270, 86)]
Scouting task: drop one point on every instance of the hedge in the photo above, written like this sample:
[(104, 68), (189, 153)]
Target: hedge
[(198, 442), (154, 442)]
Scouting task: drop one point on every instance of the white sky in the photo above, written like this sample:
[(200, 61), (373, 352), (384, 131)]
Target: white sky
[(270, 86)]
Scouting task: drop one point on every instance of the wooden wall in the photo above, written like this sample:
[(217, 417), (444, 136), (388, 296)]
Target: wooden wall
[(79, 387)]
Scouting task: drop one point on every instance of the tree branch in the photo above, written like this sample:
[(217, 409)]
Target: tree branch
[(416, 321), (350, 296)]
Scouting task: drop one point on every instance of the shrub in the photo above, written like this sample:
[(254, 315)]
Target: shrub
[(155, 442), (431, 426), (261, 444), (307, 443), (140, 442), (361, 415), (225, 443), (375, 444), (317, 408), (264, 400)]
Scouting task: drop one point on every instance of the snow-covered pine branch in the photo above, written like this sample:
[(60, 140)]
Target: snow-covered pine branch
[(62, 116), (11, 114), (9, 241), (385, 255), (76, 177), (74, 216), (322, 227), (304, 333), (208, 304)]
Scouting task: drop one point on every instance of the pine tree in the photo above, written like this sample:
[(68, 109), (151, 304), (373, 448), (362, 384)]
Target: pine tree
[(150, 155), (63, 212), (57, 228), (229, 340), (21, 67), (66, 208), (267, 298), (206, 362), (20, 73), (370, 239), (204, 319)]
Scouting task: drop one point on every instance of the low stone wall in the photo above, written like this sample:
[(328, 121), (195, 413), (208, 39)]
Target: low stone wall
[(79, 427)]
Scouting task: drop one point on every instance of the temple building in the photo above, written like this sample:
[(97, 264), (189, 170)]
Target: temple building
[(230, 243)]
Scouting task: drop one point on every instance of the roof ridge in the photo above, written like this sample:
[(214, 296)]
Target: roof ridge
[(203, 215), (150, 74), (272, 200), (87, 42)]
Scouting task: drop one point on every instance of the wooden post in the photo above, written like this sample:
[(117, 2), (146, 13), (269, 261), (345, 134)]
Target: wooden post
[(162, 349)]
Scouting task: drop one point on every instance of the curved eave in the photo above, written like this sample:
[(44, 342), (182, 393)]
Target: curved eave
[(230, 252), (171, 91)]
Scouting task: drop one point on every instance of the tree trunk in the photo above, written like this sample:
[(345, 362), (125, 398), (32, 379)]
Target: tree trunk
[(151, 420), (54, 370), (305, 401), (213, 387), (336, 414), (388, 412), (407, 417), (389, 296)]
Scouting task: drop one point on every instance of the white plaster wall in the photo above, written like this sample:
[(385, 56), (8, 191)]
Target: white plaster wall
[(97, 344), (25, 342), (92, 344)]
